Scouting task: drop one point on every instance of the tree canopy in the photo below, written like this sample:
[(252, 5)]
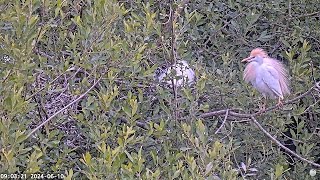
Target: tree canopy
[(78, 98)]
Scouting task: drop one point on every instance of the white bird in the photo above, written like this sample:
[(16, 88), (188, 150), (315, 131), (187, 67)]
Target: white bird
[(267, 75), (180, 72)]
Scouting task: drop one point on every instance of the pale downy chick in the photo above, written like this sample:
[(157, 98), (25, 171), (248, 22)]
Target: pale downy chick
[(184, 74)]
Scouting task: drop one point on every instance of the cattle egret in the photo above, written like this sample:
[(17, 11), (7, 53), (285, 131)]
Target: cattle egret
[(267, 75), (182, 73)]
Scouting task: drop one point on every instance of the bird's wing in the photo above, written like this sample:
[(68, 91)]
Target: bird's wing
[(271, 79), (283, 74)]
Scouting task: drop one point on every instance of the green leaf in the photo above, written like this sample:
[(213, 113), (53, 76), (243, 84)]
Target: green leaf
[(69, 175), (279, 171), (127, 110), (134, 106), (285, 43), (20, 136), (201, 131), (176, 174), (129, 156), (87, 158)]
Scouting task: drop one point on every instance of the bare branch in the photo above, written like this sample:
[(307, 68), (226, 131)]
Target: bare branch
[(281, 145), (244, 115), (306, 15), (138, 123), (173, 58), (223, 122)]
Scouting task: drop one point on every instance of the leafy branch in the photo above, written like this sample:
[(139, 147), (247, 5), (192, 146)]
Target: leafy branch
[(227, 112)]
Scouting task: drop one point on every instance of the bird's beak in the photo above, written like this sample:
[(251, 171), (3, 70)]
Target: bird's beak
[(248, 59)]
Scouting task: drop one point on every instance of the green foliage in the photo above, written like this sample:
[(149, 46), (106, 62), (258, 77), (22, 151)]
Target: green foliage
[(129, 127)]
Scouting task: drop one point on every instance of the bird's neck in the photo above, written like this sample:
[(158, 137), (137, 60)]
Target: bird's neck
[(259, 60)]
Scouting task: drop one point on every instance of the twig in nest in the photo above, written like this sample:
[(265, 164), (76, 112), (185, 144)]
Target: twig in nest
[(64, 108), (41, 89)]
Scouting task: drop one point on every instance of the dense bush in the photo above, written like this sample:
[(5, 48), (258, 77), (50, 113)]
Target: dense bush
[(128, 126)]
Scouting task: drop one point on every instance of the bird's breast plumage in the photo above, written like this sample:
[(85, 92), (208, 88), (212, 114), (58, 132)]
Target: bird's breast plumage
[(265, 78)]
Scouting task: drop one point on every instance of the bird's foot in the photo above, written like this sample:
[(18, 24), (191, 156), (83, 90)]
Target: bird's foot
[(262, 108), (279, 104)]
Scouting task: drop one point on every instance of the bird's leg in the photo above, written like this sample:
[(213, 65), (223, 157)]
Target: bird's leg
[(280, 103), (263, 105)]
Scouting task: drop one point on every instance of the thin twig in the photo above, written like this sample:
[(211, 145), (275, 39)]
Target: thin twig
[(312, 72), (179, 9), (173, 44), (281, 145), (306, 15), (278, 131), (40, 53), (6, 77), (41, 89), (173, 60), (138, 123), (289, 9), (231, 114), (223, 122), (64, 108), (235, 159), (245, 115), (169, 17)]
